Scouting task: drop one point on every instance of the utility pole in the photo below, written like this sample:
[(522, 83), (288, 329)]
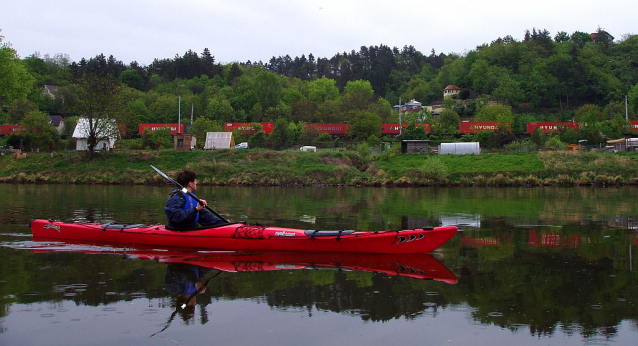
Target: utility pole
[(400, 115)]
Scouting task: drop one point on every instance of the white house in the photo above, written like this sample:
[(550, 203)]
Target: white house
[(451, 90), (107, 130)]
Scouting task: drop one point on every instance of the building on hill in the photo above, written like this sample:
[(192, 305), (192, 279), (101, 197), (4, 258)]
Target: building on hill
[(451, 90), (602, 36), (412, 106), (49, 90)]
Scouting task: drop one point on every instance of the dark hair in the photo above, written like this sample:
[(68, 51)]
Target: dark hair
[(186, 177)]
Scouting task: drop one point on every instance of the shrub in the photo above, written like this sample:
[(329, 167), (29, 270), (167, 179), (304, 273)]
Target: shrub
[(433, 168)]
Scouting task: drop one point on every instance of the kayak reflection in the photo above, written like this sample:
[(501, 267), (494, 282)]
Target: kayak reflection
[(418, 266)]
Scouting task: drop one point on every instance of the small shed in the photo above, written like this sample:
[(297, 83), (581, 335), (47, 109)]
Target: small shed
[(184, 141), (415, 146), (106, 131), (623, 144), (219, 140)]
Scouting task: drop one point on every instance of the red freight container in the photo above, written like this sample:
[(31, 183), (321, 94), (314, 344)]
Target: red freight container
[(478, 126), (393, 129), (550, 127), (248, 128), (333, 129), (154, 127), (9, 129), (634, 125)]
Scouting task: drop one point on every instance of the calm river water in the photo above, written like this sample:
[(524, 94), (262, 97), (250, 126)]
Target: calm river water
[(530, 266)]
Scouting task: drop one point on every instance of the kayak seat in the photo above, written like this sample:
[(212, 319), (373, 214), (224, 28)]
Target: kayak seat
[(171, 228), (321, 233)]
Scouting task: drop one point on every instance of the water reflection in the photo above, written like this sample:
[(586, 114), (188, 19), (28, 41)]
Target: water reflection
[(531, 266)]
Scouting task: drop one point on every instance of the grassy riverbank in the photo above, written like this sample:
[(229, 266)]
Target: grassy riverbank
[(265, 167)]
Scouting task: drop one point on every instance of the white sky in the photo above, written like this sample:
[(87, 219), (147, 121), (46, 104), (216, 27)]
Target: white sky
[(242, 30)]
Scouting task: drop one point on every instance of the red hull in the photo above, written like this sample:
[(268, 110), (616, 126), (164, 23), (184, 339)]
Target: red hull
[(417, 266), (241, 237)]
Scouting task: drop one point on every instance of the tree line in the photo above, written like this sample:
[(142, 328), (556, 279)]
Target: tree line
[(539, 78)]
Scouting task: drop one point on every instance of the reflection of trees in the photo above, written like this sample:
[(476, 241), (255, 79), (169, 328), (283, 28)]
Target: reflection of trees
[(385, 299), (543, 289), (586, 287), (546, 290)]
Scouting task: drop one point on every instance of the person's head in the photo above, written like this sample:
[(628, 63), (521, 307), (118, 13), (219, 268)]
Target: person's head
[(186, 177)]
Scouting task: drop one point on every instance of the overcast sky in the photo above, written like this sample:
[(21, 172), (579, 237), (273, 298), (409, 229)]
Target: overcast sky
[(242, 30)]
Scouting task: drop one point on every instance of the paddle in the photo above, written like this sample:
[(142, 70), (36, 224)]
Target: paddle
[(184, 190)]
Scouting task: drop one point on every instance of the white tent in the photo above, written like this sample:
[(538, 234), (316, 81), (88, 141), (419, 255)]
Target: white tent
[(460, 148), (106, 130), (219, 140)]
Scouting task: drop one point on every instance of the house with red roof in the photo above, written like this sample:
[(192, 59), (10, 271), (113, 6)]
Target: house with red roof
[(450, 91)]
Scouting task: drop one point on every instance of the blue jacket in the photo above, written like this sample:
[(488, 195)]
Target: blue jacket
[(181, 212)]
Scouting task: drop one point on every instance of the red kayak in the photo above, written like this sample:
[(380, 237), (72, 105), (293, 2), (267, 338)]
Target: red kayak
[(417, 266), (243, 237)]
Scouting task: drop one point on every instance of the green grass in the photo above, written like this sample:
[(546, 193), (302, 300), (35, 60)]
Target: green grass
[(267, 167)]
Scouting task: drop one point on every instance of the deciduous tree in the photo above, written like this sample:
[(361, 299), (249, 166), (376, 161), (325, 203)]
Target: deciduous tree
[(15, 80), (99, 100)]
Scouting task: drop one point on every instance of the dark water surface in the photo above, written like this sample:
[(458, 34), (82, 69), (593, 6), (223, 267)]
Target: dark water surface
[(531, 266)]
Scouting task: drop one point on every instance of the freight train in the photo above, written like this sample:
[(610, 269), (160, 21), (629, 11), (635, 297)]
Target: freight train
[(341, 129)]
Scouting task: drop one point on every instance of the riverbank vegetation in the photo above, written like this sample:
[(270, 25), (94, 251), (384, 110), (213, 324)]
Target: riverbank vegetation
[(589, 78), (330, 167)]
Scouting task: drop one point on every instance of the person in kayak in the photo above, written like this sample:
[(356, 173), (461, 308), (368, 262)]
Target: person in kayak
[(183, 211)]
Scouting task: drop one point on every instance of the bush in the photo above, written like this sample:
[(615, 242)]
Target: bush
[(434, 168), (363, 149)]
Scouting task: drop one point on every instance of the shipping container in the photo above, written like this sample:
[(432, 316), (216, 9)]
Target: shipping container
[(333, 129), (248, 128), (395, 129), (551, 127), (478, 126), (175, 128), (9, 129)]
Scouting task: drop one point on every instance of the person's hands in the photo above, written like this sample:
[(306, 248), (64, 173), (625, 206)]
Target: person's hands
[(201, 205)]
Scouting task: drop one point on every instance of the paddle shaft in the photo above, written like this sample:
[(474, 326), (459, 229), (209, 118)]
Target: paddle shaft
[(184, 190)]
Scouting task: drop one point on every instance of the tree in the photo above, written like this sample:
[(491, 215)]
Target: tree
[(219, 109), (268, 89), (413, 132), (323, 89), (258, 139), (15, 80), (588, 114), (37, 131), (364, 124), (357, 95), (99, 100), (448, 122), (136, 114), (633, 98), (280, 136), (500, 113), (157, 139), (132, 79)]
